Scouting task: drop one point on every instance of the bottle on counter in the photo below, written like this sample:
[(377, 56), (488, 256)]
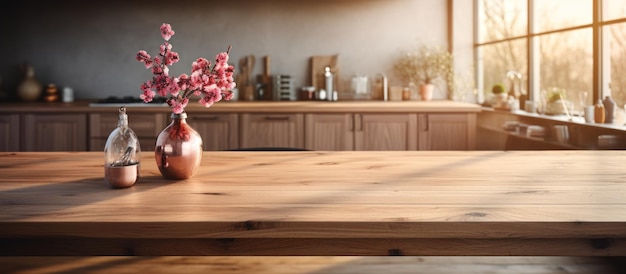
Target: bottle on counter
[(29, 89), (122, 154), (609, 109), (328, 78), (599, 112)]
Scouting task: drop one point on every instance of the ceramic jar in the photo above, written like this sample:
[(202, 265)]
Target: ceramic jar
[(29, 89)]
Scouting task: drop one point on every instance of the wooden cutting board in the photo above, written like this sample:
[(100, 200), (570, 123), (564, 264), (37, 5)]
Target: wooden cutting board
[(244, 78), (318, 63), (265, 80)]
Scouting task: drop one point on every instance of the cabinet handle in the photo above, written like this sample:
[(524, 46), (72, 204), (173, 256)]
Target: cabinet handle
[(352, 125), (425, 122), (205, 118), (276, 118)]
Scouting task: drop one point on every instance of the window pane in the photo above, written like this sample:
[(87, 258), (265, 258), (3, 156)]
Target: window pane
[(558, 14), (566, 62), (502, 19), (617, 48), (500, 58), (614, 9)]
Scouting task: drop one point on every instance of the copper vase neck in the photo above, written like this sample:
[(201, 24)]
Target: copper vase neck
[(180, 118)]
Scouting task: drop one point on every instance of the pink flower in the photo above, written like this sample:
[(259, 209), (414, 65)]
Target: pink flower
[(212, 84), (166, 31), (144, 57), (178, 107), (171, 58)]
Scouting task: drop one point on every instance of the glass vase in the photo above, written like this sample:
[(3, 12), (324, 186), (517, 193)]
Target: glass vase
[(178, 150), (122, 154)]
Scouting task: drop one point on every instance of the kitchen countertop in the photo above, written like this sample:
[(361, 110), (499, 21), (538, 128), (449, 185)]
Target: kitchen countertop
[(506, 203), (259, 106)]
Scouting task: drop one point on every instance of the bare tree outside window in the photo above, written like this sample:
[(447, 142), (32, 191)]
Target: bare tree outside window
[(502, 21), (564, 37), (618, 62), (566, 62)]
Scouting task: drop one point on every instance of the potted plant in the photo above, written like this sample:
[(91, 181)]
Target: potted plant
[(556, 101), (426, 66), (499, 97)]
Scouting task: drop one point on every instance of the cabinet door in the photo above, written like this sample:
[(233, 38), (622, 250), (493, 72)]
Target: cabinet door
[(219, 131), (386, 132), (147, 126), (9, 132), (55, 132), (331, 132), (447, 131), (278, 130)]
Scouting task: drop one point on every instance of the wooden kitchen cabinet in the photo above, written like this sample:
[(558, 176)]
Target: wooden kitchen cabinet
[(147, 126), (385, 131), (55, 132), (356, 131), (453, 131), (329, 131), (313, 125), (219, 131), (9, 132), (271, 130)]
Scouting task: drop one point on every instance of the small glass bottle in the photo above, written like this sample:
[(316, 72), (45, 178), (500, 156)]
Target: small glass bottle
[(122, 154), (599, 113)]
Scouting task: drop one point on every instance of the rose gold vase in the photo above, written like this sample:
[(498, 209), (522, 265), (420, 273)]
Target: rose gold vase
[(178, 150)]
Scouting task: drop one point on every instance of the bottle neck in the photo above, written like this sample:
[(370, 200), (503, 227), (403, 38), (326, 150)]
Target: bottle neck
[(123, 118), (180, 118), (29, 72)]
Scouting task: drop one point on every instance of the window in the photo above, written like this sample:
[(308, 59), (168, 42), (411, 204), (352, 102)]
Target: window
[(553, 44)]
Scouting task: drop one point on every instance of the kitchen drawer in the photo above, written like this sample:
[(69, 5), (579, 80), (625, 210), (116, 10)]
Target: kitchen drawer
[(271, 130)]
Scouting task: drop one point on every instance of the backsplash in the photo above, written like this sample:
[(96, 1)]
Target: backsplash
[(91, 46)]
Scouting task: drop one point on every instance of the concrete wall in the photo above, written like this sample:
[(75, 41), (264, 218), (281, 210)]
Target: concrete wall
[(91, 45)]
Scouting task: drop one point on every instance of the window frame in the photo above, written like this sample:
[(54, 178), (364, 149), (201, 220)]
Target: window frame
[(601, 51)]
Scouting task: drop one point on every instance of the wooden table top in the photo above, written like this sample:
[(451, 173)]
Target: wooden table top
[(320, 203)]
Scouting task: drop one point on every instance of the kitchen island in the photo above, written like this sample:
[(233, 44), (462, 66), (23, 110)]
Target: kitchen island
[(540, 203)]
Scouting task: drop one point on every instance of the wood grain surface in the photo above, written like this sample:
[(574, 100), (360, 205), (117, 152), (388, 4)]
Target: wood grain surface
[(311, 265), (567, 203)]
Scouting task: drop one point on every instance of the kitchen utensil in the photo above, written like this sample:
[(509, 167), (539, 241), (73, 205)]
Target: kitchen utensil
[(318, 65), (265, 80), (242, 80), (283, 88), (246, 64)]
